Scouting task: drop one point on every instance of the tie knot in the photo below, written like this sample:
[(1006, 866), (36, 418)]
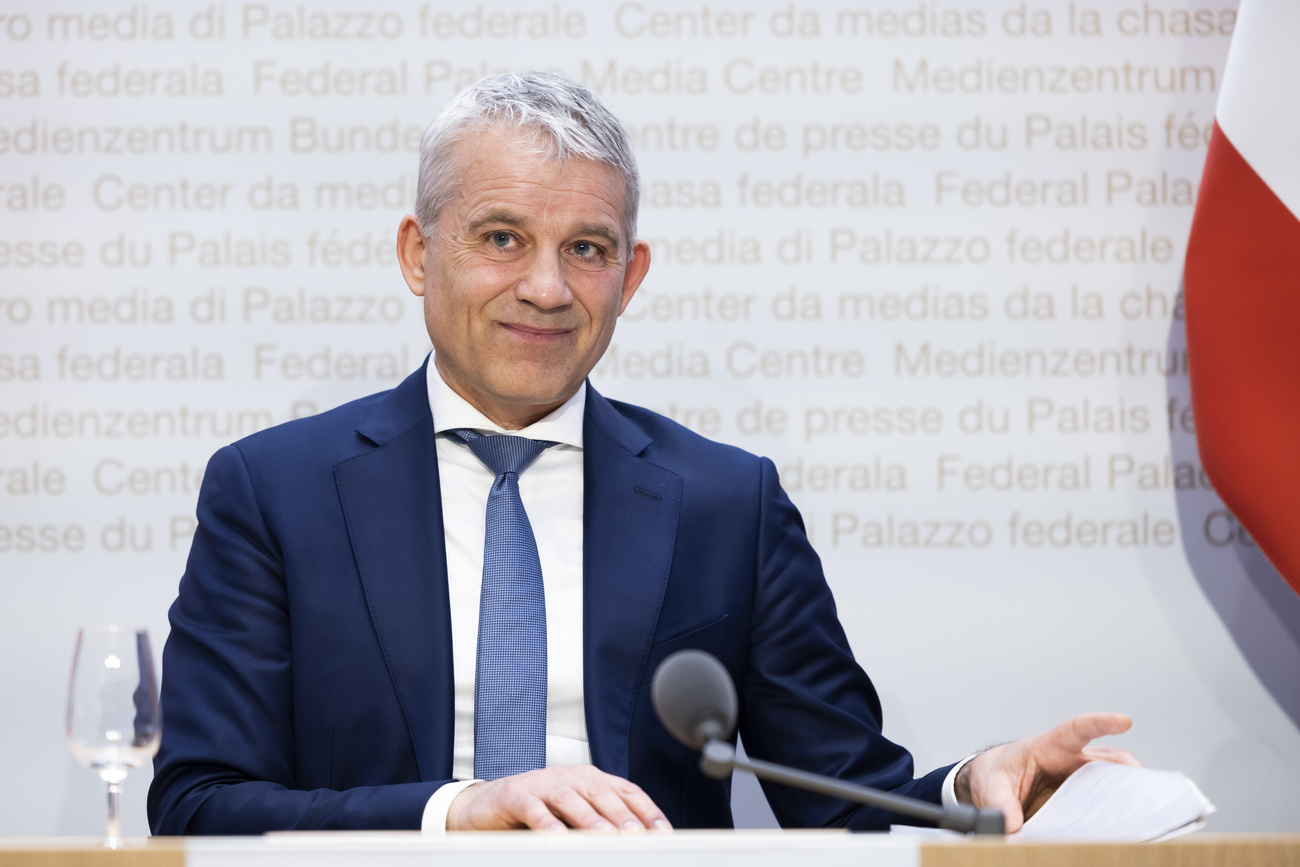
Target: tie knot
[(501, 453)]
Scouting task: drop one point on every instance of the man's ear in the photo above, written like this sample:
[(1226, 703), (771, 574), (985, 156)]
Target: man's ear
[(634, 273), (410, 253)]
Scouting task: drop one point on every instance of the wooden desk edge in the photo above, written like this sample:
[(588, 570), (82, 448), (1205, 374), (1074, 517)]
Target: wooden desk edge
[(1195, 850), (1199, 850), (90, 852)]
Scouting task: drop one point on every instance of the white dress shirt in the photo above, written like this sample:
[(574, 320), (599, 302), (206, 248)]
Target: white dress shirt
[(551, 490)]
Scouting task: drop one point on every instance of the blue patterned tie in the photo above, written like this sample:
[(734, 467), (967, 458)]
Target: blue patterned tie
[(510, 669)]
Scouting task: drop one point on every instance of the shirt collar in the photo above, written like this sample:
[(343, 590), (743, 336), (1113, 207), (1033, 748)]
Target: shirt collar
[(450, 411)]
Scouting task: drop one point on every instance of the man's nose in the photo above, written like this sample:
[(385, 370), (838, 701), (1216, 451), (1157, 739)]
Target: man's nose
[(543, 283)]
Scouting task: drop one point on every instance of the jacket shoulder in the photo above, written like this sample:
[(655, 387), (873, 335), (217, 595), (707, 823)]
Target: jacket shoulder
[(679, 448), (330, 431)]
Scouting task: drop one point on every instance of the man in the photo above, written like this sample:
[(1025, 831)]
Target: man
[(348, 649)]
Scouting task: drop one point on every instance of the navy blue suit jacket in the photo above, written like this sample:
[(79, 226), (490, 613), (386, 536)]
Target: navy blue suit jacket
[(308, 674)]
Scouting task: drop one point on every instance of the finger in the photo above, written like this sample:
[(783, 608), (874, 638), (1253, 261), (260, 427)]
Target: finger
[(645, 809), (532, 812), (610, 804), (630, 808), (1115, 755), (499, 806), (1074, 734), (571, 806)]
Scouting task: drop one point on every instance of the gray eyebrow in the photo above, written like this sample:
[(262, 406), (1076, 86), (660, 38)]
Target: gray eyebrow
[(601, 230), (510, 218)]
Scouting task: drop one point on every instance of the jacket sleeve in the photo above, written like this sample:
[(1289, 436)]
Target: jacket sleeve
[(806, 702), (228, 760)]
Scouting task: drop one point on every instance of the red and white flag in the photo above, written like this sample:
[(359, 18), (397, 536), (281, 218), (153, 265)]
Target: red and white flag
[(1242, 285)]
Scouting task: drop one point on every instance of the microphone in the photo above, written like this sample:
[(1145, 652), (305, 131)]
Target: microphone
[(694, 698)]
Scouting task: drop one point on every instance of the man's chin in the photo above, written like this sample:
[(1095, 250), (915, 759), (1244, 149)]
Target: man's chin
[(534, 396), (525, 400), (535, 381)]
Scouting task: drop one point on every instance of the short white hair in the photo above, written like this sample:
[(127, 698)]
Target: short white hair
[(566, 119)]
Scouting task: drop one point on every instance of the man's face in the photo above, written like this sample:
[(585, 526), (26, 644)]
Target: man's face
[(524, 276)]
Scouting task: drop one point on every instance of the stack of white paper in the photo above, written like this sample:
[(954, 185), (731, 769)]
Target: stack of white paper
[(1105, 802), (1116, 803)]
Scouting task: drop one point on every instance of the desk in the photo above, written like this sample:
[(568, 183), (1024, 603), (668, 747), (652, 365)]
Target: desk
[(680, 849)]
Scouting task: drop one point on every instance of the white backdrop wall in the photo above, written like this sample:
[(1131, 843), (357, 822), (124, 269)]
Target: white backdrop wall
[(925, 255)]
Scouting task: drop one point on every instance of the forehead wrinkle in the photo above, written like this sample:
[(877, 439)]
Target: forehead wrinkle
[(570, 196), (598, 227), (503, 216)]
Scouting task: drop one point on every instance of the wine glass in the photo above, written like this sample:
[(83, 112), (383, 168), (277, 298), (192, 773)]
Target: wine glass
[(113, 718)]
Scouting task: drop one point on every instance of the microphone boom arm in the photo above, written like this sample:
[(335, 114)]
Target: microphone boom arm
[(718, 758), (695, 700)]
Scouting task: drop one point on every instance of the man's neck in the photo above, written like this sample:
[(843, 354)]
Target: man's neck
[(508, 415)]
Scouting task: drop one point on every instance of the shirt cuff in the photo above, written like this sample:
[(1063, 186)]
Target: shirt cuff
[(434, 820), (949, 797)]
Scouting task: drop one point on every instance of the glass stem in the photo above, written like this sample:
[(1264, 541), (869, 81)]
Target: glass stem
[(114, 838)]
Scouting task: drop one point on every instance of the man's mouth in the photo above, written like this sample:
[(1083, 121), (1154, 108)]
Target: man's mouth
[(540, 333)]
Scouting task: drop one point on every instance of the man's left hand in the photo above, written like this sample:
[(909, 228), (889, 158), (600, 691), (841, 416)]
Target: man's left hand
[(1018, 777)]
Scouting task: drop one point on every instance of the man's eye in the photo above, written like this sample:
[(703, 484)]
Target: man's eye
[(502, 239), (586, 250)]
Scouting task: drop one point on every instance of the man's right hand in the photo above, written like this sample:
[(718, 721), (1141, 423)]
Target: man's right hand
[(555, 798)]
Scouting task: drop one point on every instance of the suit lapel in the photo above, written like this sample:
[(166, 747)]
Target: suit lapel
[(392, 504), (630, 513)]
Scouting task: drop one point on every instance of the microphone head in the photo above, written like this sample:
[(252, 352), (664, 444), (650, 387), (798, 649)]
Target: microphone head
[(694, 698)]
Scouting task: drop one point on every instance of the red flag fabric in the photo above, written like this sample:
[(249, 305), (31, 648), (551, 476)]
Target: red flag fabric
[(1242, 286)]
